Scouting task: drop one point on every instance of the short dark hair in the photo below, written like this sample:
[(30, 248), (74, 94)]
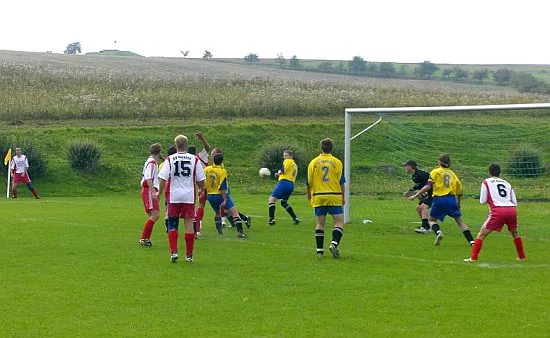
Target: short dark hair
[(327, 145), (155, 148), (494, 169), (445, 160), (172, 150), (218, 159), (289, 152), (192, 150)]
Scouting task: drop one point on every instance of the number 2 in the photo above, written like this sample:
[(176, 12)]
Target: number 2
[(325, 170)]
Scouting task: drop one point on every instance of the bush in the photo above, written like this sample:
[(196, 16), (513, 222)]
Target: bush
[(84, 155), (271, 157), (37, 163), (525, 162)]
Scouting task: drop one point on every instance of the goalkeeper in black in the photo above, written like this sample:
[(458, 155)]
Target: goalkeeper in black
[(420, 178)]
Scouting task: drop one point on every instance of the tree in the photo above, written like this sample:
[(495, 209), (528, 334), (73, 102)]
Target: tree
[(527, 83), (502, 76), (447, 73), (459, 73), (341, 67), (403, 69), (481, 74), (295, 62), (73, 48), (185, 53), (281, 60), (426, 68), (252, 58), (207, 55), (372, 68), (357, 65), (386, 68), (326, 66)]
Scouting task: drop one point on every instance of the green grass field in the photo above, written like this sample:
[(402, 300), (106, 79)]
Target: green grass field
[(72, 267)]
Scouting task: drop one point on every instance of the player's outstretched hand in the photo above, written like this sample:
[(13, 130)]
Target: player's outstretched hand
[(277, 174), (413, 197), (199, 135)]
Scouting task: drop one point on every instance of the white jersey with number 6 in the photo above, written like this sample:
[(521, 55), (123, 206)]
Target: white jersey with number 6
[(497, 193), (182, 171)]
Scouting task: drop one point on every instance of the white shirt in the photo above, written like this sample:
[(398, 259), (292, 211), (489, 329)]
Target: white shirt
[(203, 157), (150, 172), (182, 171), (497, 193), (20, 164)]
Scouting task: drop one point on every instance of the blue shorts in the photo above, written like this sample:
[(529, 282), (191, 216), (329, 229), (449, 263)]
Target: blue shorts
[(331, 210), (283, 190), (444, 206), (216, 200)]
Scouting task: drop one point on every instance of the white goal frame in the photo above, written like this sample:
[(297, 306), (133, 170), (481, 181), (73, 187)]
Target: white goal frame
[(348, 137)]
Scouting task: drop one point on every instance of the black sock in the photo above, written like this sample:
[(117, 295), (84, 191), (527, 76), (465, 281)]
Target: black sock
[(288, 208), (242, 216), (468, 235), (435, 228), (320, 239), (166, 224), (218, 223), (271, 211), (238, 223), (337, 233), (195, 226), (425, 224)]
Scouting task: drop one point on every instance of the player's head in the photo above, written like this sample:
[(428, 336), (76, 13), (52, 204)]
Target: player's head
[(181, 143), (172, 150), (154, 149), (192, 150), (445, 160), (494, 170), (215, 151), (17, 151), (287, 154), (410, 166), (327, 145), (218, 159)]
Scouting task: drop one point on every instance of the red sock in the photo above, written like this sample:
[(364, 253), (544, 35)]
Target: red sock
[(222, 213), (189, 242), (519, 247), (35, 193), (199, 215), (478, 243), (147, 229), (173, 240), (14, 193)]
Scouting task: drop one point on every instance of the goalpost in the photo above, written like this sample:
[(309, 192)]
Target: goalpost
[(440, 109)]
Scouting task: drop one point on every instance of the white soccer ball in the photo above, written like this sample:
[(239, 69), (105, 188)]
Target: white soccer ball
[(264, 172)]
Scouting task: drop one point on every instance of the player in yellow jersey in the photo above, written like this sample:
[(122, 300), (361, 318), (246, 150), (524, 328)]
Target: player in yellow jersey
[(282, 191), (325, 190), (447, 192), (216, 188)]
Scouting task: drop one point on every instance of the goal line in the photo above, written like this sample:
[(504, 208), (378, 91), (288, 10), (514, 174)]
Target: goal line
[(439, 109)]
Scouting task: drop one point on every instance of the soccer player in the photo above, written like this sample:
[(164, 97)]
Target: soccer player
[(447, 192), (216, 189), (282, 191), (420, 178), (182, 173), (149, 188), (171, 151), (325, 190), (19, 165), (502, 210), (203, 158)]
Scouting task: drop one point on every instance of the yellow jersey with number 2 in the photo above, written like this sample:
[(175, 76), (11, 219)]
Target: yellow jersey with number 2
[(325, 175)]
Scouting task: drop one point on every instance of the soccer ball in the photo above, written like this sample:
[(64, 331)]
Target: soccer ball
[(264, 172)]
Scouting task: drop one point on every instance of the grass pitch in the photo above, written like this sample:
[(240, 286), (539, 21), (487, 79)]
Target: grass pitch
[(72, 267)]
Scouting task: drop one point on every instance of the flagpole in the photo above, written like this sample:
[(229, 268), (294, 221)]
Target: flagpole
[(8, 184)]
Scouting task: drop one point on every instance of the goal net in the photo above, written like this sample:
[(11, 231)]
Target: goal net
[(515, 136)]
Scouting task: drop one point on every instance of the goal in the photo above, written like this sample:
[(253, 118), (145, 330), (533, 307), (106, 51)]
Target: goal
[(474, 136)]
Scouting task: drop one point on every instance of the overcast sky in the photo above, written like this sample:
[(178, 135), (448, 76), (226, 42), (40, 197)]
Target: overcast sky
[(467, 31)]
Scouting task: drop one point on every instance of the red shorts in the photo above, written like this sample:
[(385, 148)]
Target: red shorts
[(21, 178), (148, 202), (500, 216), (181, 210)]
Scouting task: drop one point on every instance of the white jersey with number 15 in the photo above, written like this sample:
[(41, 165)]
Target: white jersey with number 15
[(497, 193), (182, 171)]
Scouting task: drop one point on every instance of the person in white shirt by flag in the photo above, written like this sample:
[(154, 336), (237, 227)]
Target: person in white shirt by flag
[(499, 195), (149, 188), (183, 173), (19, 166)]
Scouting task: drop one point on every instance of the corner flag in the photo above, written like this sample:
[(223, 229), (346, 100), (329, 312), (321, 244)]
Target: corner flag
[(7, 159)]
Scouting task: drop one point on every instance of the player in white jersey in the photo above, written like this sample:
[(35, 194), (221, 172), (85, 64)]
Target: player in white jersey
[(183, 172), (500, 197), (19, 165), (203, 160), (149, 188)]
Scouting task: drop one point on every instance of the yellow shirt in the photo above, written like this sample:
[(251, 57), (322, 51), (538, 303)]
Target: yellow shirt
[(289, 171), (445, 182), (325, 175), (216, 179)]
